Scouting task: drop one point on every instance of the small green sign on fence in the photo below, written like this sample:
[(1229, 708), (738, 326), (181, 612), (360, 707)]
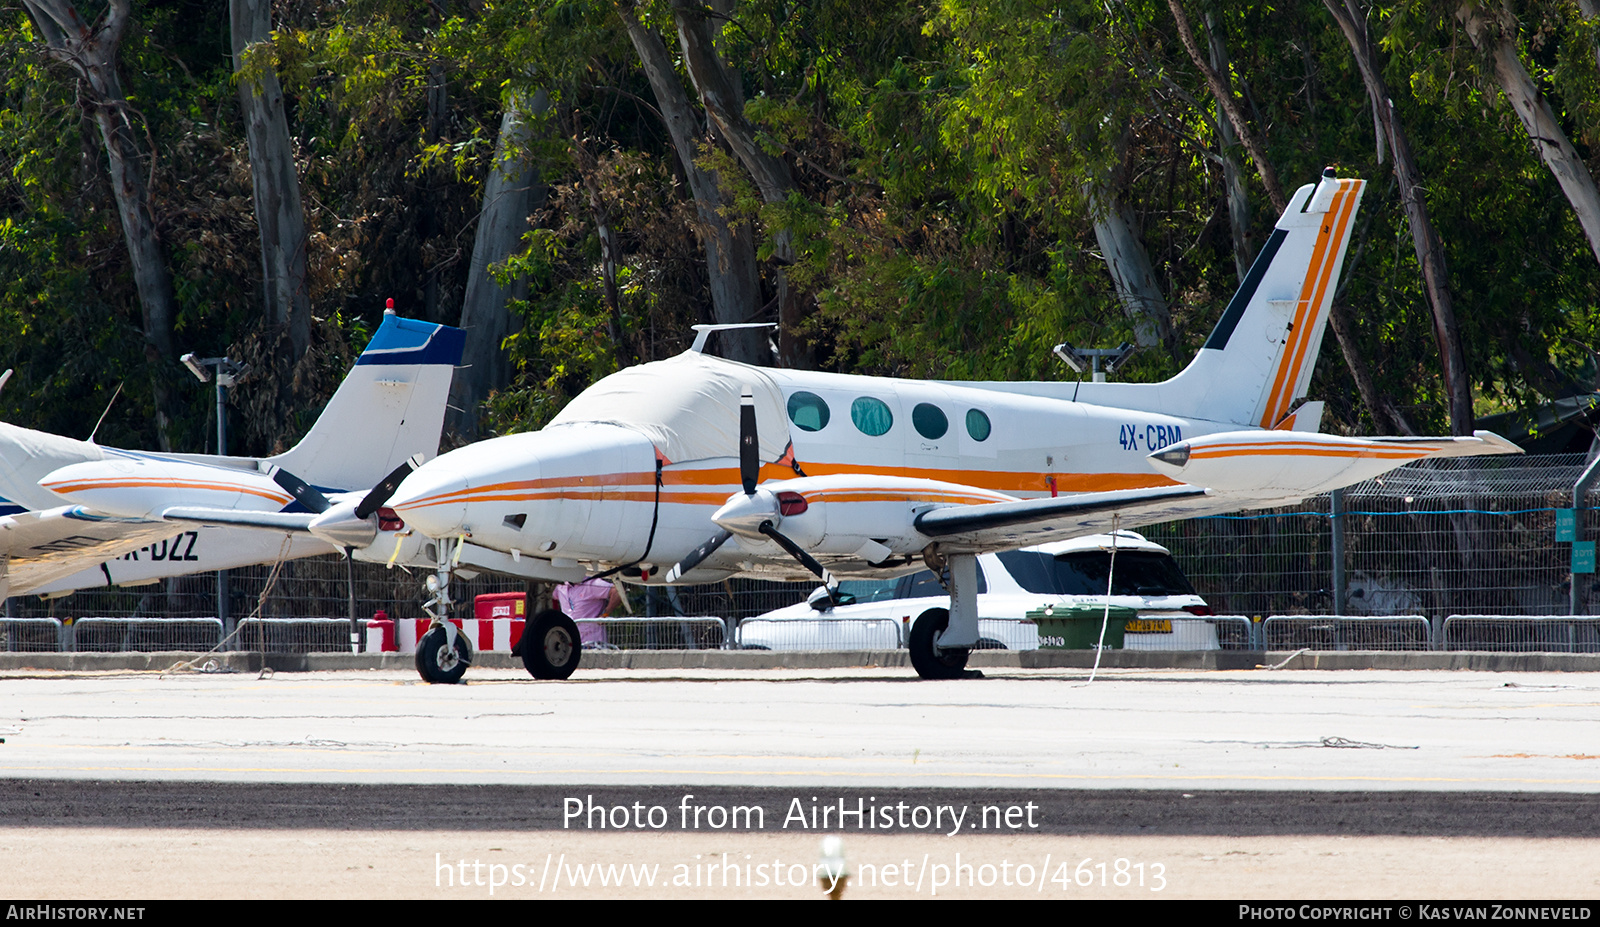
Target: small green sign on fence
[(1566, 524), (1583, 556)]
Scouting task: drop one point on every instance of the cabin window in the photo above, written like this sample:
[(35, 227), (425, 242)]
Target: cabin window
[(872, 416), (977, 425), (929, 420), (808, 411)]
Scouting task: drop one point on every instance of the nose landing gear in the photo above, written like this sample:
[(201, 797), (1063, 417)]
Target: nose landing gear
[(443, 653)]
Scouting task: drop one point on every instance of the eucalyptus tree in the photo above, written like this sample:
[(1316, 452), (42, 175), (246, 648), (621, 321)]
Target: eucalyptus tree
[(90, 50), (274, 176)]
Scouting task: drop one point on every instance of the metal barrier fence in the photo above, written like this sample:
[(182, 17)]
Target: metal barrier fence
[(30, 635), (653, 633), (1221, 632), (820, 634), (294, 635), (1515, 633), (1343, 632), (1236, 632), (143, 635), (1557, 634)]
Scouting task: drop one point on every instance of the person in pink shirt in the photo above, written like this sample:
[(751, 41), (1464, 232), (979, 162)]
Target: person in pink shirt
[(592, 598)]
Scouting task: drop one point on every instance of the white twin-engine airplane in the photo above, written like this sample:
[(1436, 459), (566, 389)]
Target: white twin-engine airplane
[(694, 469), (651, 473), (389, 408)]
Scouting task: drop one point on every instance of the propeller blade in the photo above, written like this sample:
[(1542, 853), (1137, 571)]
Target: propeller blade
[(749, 447), (695, 556), (303, 492), (380, 493), (808, 561)]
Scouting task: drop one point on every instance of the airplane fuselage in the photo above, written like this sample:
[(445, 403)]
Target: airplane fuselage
[(587, 491)]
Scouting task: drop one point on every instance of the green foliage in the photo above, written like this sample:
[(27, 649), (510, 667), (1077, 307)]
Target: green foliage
[(941, 151)]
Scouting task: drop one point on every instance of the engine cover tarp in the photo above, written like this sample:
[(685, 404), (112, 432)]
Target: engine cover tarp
[(688, 406)]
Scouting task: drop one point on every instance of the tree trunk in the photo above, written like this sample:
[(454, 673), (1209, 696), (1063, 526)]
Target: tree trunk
[(279, 214), (1590, 9), (509, 195), (1495, 34), (725, 105), (92, 53), (1130, 268), (610, 252), (730, 250), (426, 192), (1225, 100), (1430, 253), (1384, 414), (720, 94), (1244, 247)]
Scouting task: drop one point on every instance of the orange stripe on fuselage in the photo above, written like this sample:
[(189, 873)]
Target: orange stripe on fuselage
[(1001, 480), (89, 486), (888, 495), (726, 481)]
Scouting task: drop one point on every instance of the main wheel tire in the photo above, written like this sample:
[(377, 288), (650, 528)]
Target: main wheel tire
[(930, 662), (551, 646), (437, 663)]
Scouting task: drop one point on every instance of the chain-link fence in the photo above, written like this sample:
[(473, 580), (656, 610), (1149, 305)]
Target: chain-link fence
[(1439, 537)]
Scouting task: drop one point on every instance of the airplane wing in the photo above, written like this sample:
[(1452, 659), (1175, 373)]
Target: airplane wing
[(45, 546), (1009, 525), (280, 521)]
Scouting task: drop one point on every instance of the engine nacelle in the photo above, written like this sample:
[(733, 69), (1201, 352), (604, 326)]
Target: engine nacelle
[(866, 515)]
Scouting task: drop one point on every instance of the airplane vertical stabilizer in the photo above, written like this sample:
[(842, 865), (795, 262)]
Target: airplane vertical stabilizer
[(1255, 367), (389, 407)]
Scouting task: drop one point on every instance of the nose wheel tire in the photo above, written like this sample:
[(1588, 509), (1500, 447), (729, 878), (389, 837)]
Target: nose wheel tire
[(437, 662), (931, 662), (551, 647)]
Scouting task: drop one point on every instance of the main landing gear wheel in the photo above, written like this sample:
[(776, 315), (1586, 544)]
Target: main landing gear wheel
[(931, 662), (551, 647), (438, 662)]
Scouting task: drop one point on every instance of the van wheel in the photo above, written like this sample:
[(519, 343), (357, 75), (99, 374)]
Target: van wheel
[(930, 662)]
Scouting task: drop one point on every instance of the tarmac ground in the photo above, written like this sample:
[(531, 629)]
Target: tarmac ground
[(1248, 783)]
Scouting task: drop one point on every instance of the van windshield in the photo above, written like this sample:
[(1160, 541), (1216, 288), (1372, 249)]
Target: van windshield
[(1139, 572)]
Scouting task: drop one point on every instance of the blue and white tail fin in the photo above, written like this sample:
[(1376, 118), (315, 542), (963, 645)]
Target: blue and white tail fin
[(390, 406), (1256, 366)]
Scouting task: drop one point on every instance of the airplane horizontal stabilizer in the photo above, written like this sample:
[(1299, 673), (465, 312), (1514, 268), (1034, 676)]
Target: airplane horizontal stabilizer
[(1303, 464)]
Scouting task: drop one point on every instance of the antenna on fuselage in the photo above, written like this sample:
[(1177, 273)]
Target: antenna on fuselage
[(7, 375), (703, 332)]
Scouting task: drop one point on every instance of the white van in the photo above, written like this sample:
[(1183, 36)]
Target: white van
[(1010, 584)]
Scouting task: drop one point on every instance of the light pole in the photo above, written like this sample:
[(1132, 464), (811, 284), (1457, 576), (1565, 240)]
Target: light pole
[(226, 371), (1113, 357)]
